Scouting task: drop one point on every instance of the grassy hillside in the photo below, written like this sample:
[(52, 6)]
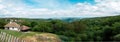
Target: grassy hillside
[(33, 36)]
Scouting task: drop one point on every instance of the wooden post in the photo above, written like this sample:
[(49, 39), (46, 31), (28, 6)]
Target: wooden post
[(0, 36), (9, 38), (4, 36)]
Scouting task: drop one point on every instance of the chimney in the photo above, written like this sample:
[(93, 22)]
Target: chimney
[(11, 20)]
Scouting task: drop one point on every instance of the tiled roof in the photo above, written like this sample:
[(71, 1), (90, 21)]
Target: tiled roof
[(15, 25), (12, 24), (24, 27)]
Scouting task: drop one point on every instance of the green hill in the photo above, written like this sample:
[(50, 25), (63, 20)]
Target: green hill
[(85, 29)]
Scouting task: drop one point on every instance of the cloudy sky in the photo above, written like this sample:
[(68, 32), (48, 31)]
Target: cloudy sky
[(58, 8)]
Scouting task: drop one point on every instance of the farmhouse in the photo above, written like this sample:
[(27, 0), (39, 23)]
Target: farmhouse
[(15, 26)]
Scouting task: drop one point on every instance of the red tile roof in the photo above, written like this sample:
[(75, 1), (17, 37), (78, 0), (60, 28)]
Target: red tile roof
[(24, 27)]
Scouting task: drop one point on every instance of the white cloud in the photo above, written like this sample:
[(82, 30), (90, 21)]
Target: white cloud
[(10, 8), (1, 6), (101, 8)]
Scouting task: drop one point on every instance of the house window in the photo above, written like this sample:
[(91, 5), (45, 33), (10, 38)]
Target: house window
[(12, 27), (7, 28)]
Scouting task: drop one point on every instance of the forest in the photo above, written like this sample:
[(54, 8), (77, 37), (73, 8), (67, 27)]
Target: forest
[(86, 29)]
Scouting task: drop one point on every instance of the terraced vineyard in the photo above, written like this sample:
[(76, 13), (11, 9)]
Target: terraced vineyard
[(12, 36), (4, 37)]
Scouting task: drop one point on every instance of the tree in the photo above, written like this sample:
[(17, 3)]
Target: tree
[(2, 23), (27, 23), (78, 26), (43, 27), (33, 23), (117, 37), (107, 34), (57, 25), (116, 27)]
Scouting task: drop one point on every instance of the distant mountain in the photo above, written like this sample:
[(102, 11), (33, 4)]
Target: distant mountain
[(70, 19)]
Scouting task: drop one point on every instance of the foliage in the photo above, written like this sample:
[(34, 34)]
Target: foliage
[(87, 29)]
